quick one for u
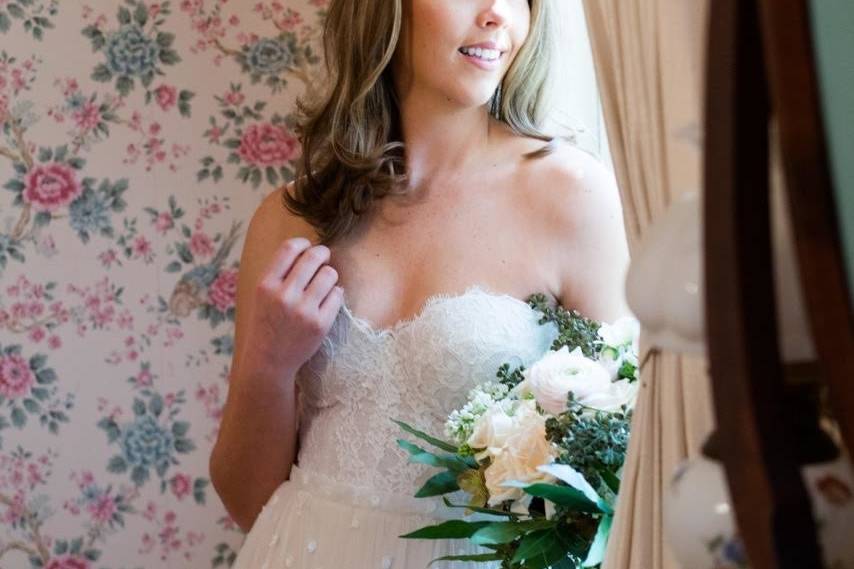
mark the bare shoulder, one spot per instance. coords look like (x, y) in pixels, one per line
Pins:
(577, 199)
(271, 218)
(571, 182)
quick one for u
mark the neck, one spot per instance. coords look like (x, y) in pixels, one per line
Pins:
(441, 139)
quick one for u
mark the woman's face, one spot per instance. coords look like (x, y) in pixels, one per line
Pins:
(460, 49)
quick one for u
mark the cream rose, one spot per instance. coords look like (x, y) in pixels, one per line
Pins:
(552, 378)
(513, 436)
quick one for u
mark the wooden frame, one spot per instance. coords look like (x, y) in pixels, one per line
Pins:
(759, 59)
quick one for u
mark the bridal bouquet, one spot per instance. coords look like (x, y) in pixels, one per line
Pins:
(540, 450)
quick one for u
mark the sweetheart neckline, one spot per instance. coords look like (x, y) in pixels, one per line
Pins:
(431, 301)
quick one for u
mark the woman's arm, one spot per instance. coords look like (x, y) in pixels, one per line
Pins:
(257, 440)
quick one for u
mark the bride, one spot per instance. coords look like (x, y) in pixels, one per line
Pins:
(390, 278)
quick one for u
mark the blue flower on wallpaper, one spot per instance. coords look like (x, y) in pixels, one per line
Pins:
(271, 60)
(90, 214)
(146, 444)
(151, 441)
(268, 56)
(130, 52)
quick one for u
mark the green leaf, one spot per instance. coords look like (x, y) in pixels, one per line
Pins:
(610, 480)
(15, 10)
(505, 532)
(419, 455)
(474, 558)
(169, 57)
(124, 15)
(442, 483)
(573, 499)
(596, 554)
(37, 361)
(19, 418)
(117, 465)
(452, 529)
(445, 446)
(184, 445)
(165, 39)
(139, 475)
(15, 185)
(541, 549)
(45, 376)
(140, 15)
(124, 85)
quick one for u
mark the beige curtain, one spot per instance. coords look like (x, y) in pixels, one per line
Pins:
(649, 57)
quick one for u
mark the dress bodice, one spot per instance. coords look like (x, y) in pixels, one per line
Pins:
(417, 371)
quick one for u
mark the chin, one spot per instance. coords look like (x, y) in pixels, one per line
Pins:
(473, 97)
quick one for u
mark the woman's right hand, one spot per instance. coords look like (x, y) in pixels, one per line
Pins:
(295, 304)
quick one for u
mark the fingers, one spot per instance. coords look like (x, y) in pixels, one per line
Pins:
(284, 259)
(306, 266)
(331, 305)
(321, 284)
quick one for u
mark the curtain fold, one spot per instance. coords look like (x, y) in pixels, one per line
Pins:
(649, 57)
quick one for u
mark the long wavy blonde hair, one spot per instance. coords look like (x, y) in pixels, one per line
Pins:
(352, 148)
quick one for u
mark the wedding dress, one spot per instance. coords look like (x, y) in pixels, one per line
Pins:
(350, 495)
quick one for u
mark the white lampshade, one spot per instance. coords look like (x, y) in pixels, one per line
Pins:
(665, 282)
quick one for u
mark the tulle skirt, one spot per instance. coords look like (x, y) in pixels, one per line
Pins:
(312, 522)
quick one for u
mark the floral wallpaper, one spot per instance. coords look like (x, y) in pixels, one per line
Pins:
(137, 138)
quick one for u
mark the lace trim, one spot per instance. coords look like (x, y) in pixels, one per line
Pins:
(429, 304)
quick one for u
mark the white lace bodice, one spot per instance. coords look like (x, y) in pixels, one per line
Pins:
(418, 371)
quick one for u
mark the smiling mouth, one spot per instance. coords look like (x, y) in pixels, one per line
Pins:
(482, 54)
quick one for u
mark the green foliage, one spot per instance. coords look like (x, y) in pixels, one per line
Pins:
(591, 442)
(575, 330)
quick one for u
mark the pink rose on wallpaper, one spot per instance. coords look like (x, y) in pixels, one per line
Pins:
(67, 562)
(201, 245)
(16, 377)
(164, 222)
(234, 98)
(223, 290)
(51, 186)
(102, 508)
(166, 96)
(181, 486)
(268, 145)
(37, 334)
(87, 116)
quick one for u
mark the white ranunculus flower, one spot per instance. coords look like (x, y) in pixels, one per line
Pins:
(623, 332)
(619, 393)
(620, 344)
(552, 378)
